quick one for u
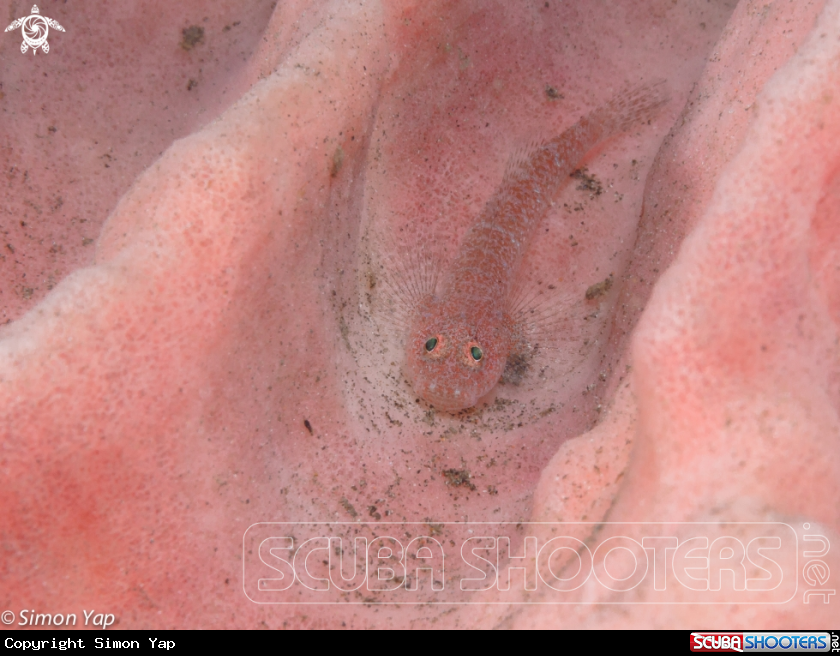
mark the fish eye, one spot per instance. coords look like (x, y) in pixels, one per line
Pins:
(434, 347)
(474, 354)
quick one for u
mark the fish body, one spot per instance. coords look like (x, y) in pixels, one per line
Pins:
(461, 334)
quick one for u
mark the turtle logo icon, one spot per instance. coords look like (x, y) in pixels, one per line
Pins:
(34, 29)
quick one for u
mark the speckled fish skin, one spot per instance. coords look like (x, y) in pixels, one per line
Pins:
(471, 306)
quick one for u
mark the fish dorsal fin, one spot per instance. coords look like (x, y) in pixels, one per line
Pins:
(519, 157)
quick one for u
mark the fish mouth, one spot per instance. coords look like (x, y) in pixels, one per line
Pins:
(446, 400)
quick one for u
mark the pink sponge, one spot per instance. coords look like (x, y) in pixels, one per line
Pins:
(230, 354)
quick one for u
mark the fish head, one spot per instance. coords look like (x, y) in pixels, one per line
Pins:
(456, 352)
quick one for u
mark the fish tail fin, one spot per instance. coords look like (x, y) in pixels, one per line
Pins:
(632, 107)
